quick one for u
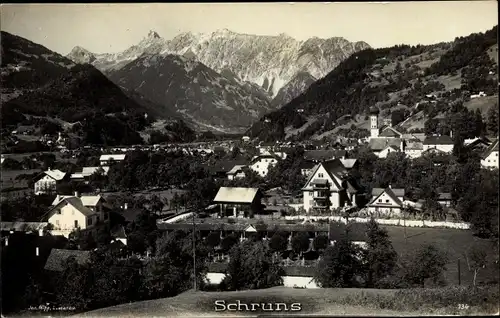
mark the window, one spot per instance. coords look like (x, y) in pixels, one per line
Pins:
(89, 221)
(57, 223)
(76, 223)
(386, 201)
(379, 200)
(97, 219)
(320, 175)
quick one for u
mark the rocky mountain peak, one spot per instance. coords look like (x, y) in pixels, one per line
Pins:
(153, 35)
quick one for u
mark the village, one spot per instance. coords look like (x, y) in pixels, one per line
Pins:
(330, 200)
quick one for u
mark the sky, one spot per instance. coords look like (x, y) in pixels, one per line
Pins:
(109, 28)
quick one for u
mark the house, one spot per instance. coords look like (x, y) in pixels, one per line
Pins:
(444, 199)
(442, 143)
(261, 164)
(7, 229)
(77, 212)
(237, 172)
(306, 167)
(58, 258)
(414, 148)
(48, 180)
(390, 132)
(243, 202)
(489, 159)
(106, 160)
(89, 171)
(324, 155)
(386, 202)
(381, 147)
(478, 143)
(329, 186)
(221, 168)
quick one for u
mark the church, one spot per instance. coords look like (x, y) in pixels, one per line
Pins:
(384, 139)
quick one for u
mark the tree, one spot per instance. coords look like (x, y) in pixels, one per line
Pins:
(278, 243)
(476, 260)
(492, 120)
(251, 267)
(75, 285)
(380, 256)
(228, 242)
(320, 242)
(213, 239)
(426, 263)
(300, 242)
(339, 266)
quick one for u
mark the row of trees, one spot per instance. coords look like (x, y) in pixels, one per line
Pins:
(474, 190)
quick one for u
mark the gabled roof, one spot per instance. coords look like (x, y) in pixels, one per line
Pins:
(88, 171)
(390, 132)
(265, 156)
(86, 200)
(237, 195)
(76, 203)
(54, 174)
(444, 196)
(58, 257)
(493, 147)
(236, 169)
(117, 157)
(379, 144)
(348, 163)
(324, 155)
(225, 165)
(395, 194)
(414, 145)
(334, 168)
(438, 140)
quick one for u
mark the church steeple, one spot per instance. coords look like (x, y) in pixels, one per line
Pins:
(374, 129)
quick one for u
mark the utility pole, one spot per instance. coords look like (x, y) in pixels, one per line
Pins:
(459, 276)
(194, 253)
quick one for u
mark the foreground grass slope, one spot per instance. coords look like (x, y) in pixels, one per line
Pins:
(327, 301)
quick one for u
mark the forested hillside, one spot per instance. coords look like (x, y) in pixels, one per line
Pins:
(390, 78)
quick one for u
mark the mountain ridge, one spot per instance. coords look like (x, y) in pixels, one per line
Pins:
(275, 59)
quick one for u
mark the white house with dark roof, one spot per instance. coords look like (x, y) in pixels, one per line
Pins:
(48, 180)
(489, 159)
(386, 202)
(239, 202)
(261, 164)
(381, 147)
(329, 186)
(414, 148)
(237, 172)
(442, 143)
(73, 212)
(106, 160)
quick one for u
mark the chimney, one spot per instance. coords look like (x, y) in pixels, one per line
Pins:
(76, 194)
(451, 134)
(390, 186)
(125, 206)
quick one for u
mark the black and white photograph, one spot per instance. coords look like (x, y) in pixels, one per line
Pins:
(249, 159)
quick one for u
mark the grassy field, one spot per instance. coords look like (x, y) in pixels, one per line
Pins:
(328, 301)
(454, 243)
(9, 178)
(482, 103)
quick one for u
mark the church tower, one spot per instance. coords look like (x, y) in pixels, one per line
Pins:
(374, 129)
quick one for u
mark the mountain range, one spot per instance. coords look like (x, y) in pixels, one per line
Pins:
(268, 61)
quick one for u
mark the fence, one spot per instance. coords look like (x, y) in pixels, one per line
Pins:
(395, 222)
